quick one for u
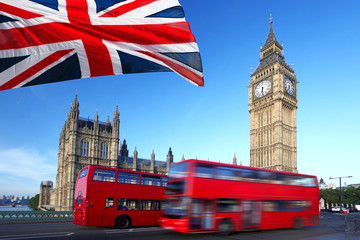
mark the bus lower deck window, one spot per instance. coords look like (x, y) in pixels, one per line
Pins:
(127, 204)
(153, 205)
(109, 202)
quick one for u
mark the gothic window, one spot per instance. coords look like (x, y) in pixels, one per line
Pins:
(104, 150)
(84, 148)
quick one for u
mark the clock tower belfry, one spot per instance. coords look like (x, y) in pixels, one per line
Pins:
(272, 107)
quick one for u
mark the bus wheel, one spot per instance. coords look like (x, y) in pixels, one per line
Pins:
(298, 224)
(122, 222)
(226, 227)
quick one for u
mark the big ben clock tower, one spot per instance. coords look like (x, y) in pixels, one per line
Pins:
(272, 107)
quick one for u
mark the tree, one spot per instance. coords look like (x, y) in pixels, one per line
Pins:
(34, 202)
(350, 195)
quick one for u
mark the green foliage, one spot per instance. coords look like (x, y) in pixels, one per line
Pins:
(350, 195)
(34, 202)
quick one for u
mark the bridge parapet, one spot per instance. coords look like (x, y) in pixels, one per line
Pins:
(7, 216)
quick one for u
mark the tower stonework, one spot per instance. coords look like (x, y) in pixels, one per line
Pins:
(272, 108)
(83, 142)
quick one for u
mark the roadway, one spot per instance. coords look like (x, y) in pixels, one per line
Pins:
(332, 227)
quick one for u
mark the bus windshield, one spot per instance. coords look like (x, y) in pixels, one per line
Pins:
(179, 170)
(83, 173)
(175, 188)
(175, 207)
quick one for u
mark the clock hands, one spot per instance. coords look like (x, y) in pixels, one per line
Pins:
(262, 88)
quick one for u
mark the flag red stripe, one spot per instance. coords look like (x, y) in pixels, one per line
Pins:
(171, 33)
(18, 11)
(183, 71)
(34, 69)
(77, 11)
(126, 8)
(98, 57)
(97, 53)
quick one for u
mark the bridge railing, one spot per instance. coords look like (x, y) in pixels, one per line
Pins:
(35, 215)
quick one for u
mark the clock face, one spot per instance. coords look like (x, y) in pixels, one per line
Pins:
(262, 88)
(289, 87)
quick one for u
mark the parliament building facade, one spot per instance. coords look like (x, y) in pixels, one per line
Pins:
(83, 142)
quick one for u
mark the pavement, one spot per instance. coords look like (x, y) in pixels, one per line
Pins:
(338, 236)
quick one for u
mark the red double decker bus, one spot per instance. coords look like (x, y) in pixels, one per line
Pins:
(204, 196)
(117, 198)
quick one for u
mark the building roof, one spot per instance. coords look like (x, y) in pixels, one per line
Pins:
(89, 123)
(147, 162)
(271, 60)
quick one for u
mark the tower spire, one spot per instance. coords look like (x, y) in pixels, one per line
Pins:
(75, 103)
(235, 159)
(96, 117)
(271, 38)
(74, 110)
(116, 113)
(271, 52)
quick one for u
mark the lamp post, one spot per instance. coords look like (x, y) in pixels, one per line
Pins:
(340, 188)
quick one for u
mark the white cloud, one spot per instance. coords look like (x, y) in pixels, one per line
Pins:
(27, 164)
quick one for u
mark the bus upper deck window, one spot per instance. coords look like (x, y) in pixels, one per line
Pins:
(204, 171)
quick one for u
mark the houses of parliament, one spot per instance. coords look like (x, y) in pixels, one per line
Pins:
(272, 106)
(85, 141)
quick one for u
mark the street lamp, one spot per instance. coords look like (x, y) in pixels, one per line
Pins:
(340, 188)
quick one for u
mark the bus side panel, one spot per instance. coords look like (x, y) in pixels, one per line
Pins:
(100, 215)
(141, 218)
(95, 206)
(205, 188)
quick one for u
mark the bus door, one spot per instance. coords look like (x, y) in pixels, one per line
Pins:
(251, 213)
(202, 214)
(108, 213)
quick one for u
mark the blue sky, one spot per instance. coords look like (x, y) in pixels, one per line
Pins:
(162, 110)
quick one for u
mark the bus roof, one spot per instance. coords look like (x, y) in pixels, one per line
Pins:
(122, 170)
(240, 166)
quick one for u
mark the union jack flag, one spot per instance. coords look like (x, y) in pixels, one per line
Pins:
(43, 41)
